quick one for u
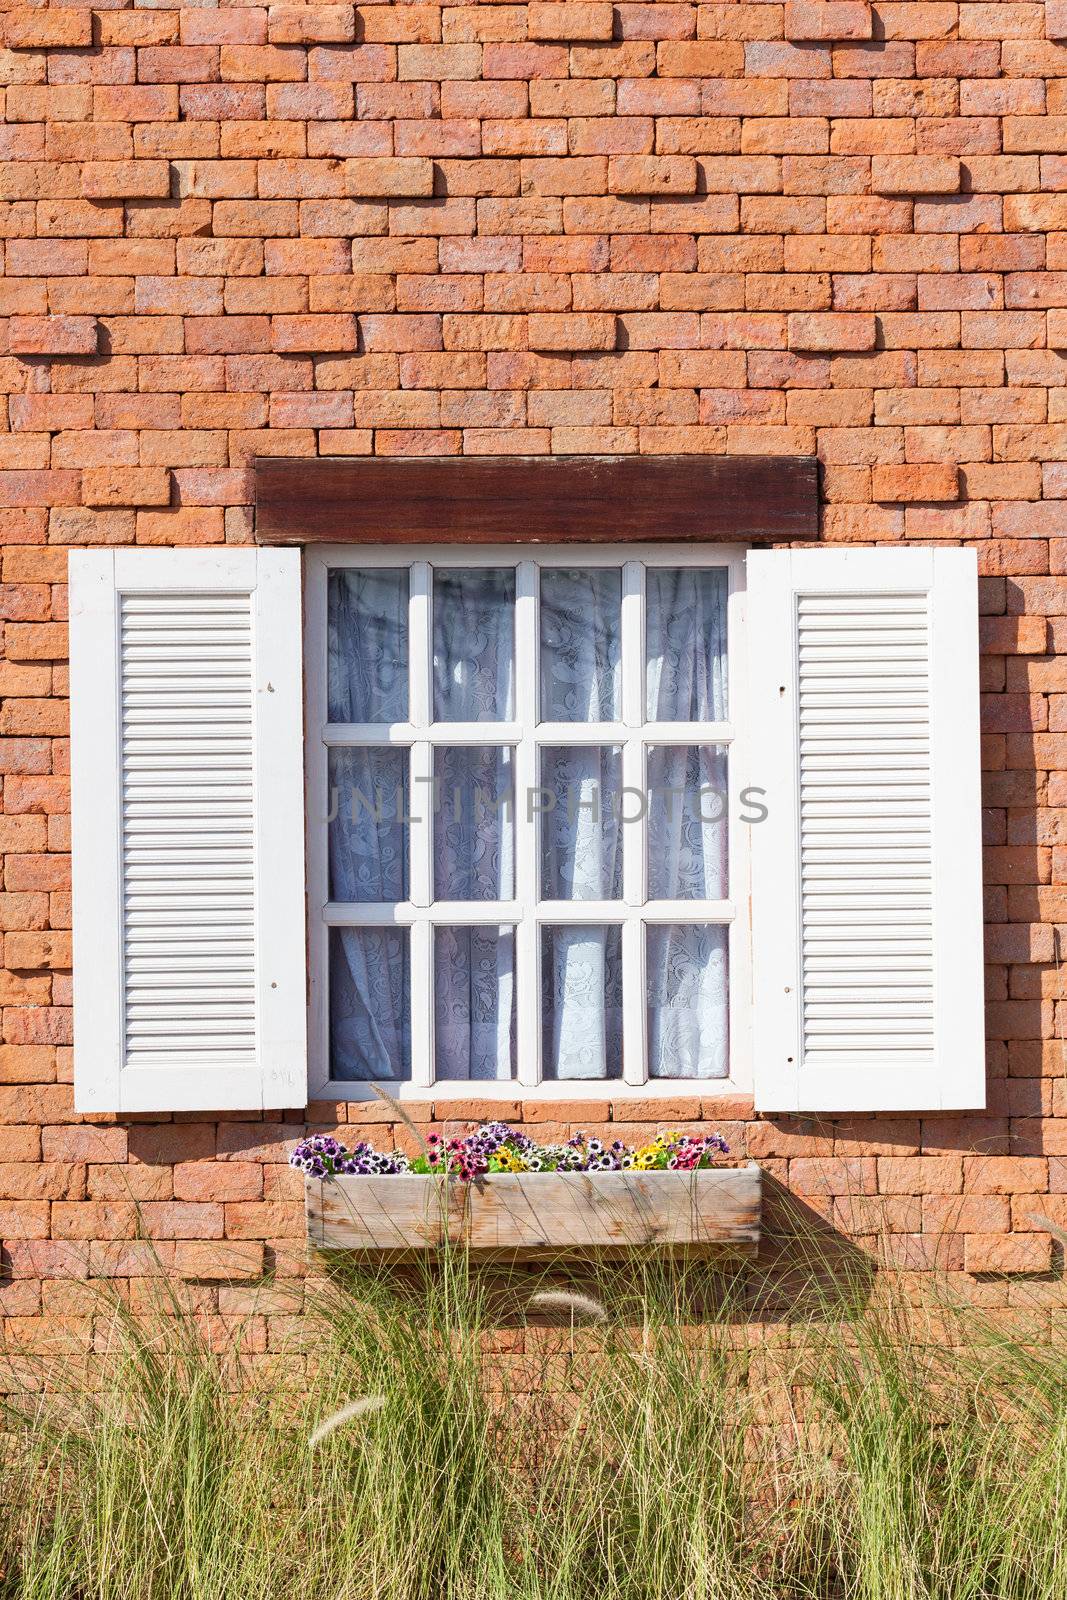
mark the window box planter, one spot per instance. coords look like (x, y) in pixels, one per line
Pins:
(538, 1214)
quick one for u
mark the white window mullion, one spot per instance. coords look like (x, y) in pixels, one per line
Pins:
(420, 826)
(633, 807)
(468, 733)
(527, 777)
(634, 1038)
(633, 643)
(420, 644)
(634, 1048)
(420, 810)
(422, 1061)
(368, 733)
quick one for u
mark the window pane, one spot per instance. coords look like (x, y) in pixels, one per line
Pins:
(370, 1004)
(581, 822)
(687, 822)
(473, 644)
(474, 1002)
(368, 824)
(581, 1002)
(685, 628)
(474, 823)
(367, 645)
(686, 972)
(581, 677)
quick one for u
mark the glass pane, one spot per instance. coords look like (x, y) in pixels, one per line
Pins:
(367, 645)
(370, 1004)
(687, 822)
(581, 1002)
(473, 644)
(686, 971)
(368, 829)
(685, 628)
(474, 1002)
(581, 620)
(474, 823)
(581, 822)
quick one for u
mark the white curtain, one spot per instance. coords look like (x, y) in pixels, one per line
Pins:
(581, 839)
(367, 681)
(474, 859)
(686, 963)
(581, 965)
(474, 828)
(581, 859)
(474, 644)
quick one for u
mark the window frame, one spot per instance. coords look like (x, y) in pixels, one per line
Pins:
(527, 912)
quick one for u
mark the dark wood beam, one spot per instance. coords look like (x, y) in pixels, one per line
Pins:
(535, 499)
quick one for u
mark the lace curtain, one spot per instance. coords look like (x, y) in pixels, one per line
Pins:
(686, 963)
(367, 681)
(581, 831)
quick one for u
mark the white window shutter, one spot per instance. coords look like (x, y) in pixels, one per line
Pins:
(867, 890)
(188, 830)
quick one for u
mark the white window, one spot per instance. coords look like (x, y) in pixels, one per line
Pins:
(702, 818)
(526, 856)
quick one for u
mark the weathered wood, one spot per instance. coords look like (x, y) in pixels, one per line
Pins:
(535, 499)
(538, 1214)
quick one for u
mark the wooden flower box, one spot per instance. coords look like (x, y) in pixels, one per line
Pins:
(538, 1214)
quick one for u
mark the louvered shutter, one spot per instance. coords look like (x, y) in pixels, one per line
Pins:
(188, 830)
(866, 873)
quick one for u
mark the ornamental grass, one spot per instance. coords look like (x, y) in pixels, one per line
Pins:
(454, 1433)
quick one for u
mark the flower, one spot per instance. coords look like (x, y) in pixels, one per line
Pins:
(498, 1147)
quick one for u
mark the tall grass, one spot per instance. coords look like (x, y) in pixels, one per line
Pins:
(659, 1452)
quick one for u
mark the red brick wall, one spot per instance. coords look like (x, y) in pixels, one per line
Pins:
(505, 227)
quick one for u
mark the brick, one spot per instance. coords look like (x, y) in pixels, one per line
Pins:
(907, 483)
(84, 1143)
(923, 1175)
(53, 336)
(569, 21)
(653, 175)
(1011, 1252)
(831, 331)
(314, 333)
(833, 1175)
(1035, 133)
(218, 1181)
(926, 174)
(827, 20)
(389, 175)
(1005, 1174)
(126, 486)
(48, 28)
(125, 180)
(574, 331)
(264, 1220)
(218, 1260)
(311, 24)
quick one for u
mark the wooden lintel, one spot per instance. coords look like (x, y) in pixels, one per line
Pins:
(535, 499)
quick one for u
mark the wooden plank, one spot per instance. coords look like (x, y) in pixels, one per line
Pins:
(535, 499)
(537, 1214)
